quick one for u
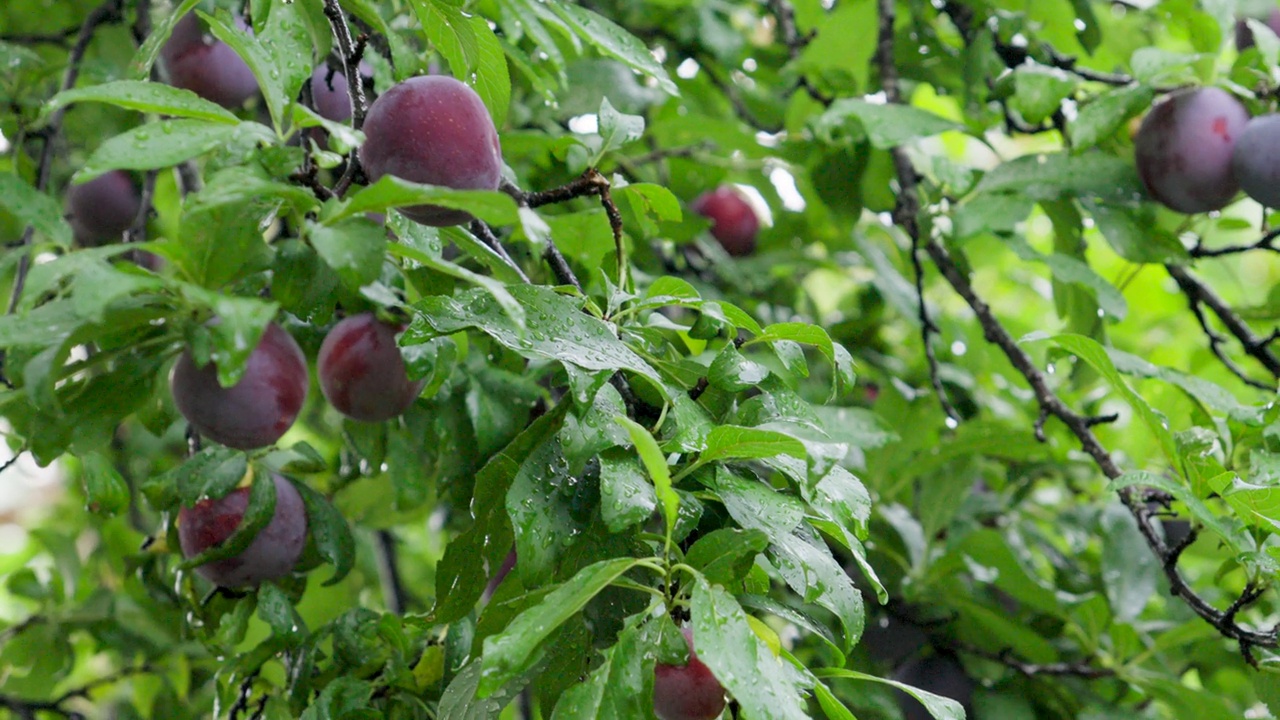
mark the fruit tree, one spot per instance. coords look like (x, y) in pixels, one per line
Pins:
(652, 359)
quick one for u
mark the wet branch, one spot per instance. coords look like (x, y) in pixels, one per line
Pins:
(1259, 348)
(350, 51)
(393, 592)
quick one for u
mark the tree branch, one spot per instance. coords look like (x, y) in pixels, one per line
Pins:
(1257, 347)
(393, 592)
(1050, 404)
(350, 53)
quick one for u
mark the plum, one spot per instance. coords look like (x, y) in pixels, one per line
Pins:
(206, 67)
(938, 674)
(103, 208)
(733, 221)
(1255, 161)
(254, 412)
(331, 98)
(1183, 149)
(687, 692)
(270, 556)
(435, 130)
(362, 372)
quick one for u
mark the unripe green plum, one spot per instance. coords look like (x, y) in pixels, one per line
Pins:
(254, 412)
(1256, 160)
(687, 692)
(434, 130)
(733, 221)
(273, 552)
(362, 372)
(205, 66)
(1183, 149)
(103, 208)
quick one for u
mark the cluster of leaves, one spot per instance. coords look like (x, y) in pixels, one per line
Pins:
(663, 434)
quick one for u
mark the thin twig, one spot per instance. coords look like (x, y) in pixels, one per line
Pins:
(393, 592)
(1266, 242)
(1007, 658)
(486, 235)
(347, 49)
(906, 214)
(1259, 348)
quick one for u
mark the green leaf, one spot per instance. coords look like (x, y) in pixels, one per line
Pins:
(540, 504)
(34, 208)
(517, 648)
(259, 59)
(556, 329)
(343, 695)
(803, 560)
(1049, 176)
(626, 496)
(1091, 352)
(1201, 512)
(388, 192)
(461, 701)
(1129, 585)
(105, 490)
(656, 463)
(145, 97)
(617, 688)
(1105, 114)
(288, 42)
(939, 707)
(887, 125)
(210, 473)
(275, 609)
(764, 685)
(460, 578)
(1067, 269)
(1134, 237)
(617, 129)
(732, 372)
(724, 556)
(615, 42)
(167, 143)
(237, 331)
(140, 67)
(354, 249)
(1039, 91)
(729, 442)
(257, 514)
(330, 533)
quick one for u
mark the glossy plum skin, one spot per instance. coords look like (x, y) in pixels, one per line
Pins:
(435, 130)
(1183, 149)
(1256, 160)
(205, 66)
(733, 220)
(687, 692)
(272, 554)
(103, 208)
(938, 674)
(361, 371)
(254, 412)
